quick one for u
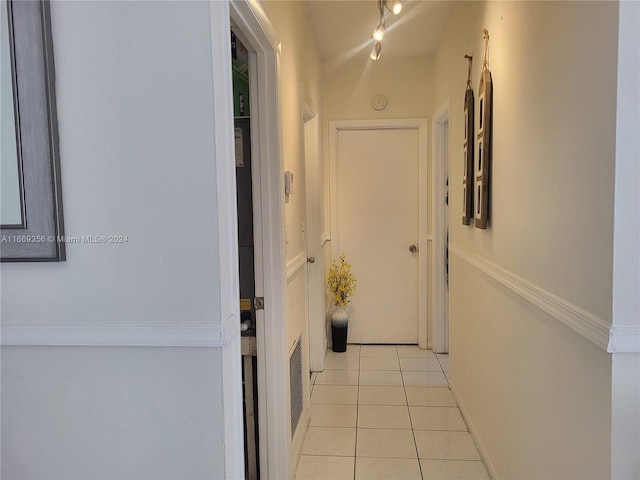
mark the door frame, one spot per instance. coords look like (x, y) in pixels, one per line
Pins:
(316, 329)
(253, 27)
(420, 124)
(229, 314)
(440, 172)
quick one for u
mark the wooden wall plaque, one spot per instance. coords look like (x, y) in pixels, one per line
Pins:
(468, 147)
(483, 161)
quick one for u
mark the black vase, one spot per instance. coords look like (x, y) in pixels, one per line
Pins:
(339, 337)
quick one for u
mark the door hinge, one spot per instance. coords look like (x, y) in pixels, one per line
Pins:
(258, 303)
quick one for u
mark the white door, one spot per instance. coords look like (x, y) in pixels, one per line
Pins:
(376, 221)
(316, 315)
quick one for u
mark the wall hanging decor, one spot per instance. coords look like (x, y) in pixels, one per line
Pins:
(483, 164)
(467, 176)
(31, 220)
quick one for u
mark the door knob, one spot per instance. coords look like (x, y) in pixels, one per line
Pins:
(311, 259)
(413, 248)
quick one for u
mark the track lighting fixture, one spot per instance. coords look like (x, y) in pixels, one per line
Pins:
(375, 53)
(394, 6)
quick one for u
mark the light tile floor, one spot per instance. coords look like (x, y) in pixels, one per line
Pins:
(386, 412)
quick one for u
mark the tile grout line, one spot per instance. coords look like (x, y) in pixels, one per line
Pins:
(445, 373)
(413, 432)
(355, 451)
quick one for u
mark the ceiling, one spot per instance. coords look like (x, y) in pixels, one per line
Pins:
(343, 28)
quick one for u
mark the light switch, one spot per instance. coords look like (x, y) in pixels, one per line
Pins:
(288, 182)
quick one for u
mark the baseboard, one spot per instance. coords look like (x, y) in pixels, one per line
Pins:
(474, 434)
(298, 441)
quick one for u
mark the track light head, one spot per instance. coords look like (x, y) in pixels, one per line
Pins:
(378, 33)
(375, 53)
(394, 6)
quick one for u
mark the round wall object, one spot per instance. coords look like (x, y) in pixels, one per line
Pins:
(379, 102)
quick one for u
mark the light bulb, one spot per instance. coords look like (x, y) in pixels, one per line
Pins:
(396, 7)
(375, 53)
(378, 34)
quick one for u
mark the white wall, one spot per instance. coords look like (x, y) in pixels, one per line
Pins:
(557, 224)
(123, 412)
(536, 393)
(299, 70)
(136, 123)
(348, 87)
(299, 81)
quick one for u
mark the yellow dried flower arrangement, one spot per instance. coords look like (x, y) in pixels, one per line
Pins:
(341, 282)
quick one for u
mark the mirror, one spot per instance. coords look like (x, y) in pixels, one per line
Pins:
(31, 201)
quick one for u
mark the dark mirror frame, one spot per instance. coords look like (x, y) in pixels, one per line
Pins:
(41, 237)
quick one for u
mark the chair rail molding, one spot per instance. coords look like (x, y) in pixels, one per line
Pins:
(590, 326)
(151, 335)
(295, 264)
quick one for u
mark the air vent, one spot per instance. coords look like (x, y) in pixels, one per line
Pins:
(295, 387)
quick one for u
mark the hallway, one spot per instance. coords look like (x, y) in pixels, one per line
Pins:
(386, 412)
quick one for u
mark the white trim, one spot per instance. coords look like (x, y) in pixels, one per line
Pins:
(624, 339)
(227, 217)
(296, 264)
(315, 308)
(122, 335)
(298, 440)
(423, 230)
(430, 338)
(580, 321)
(232, 401)
(326, 237)
(440, 341)
(308, 107)
(226, 210)
(474, 434)
(625, 334)
(256, 30)
(259, 36)
(297, 437)
(229, 331)
(421, 124)
(334, 201)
